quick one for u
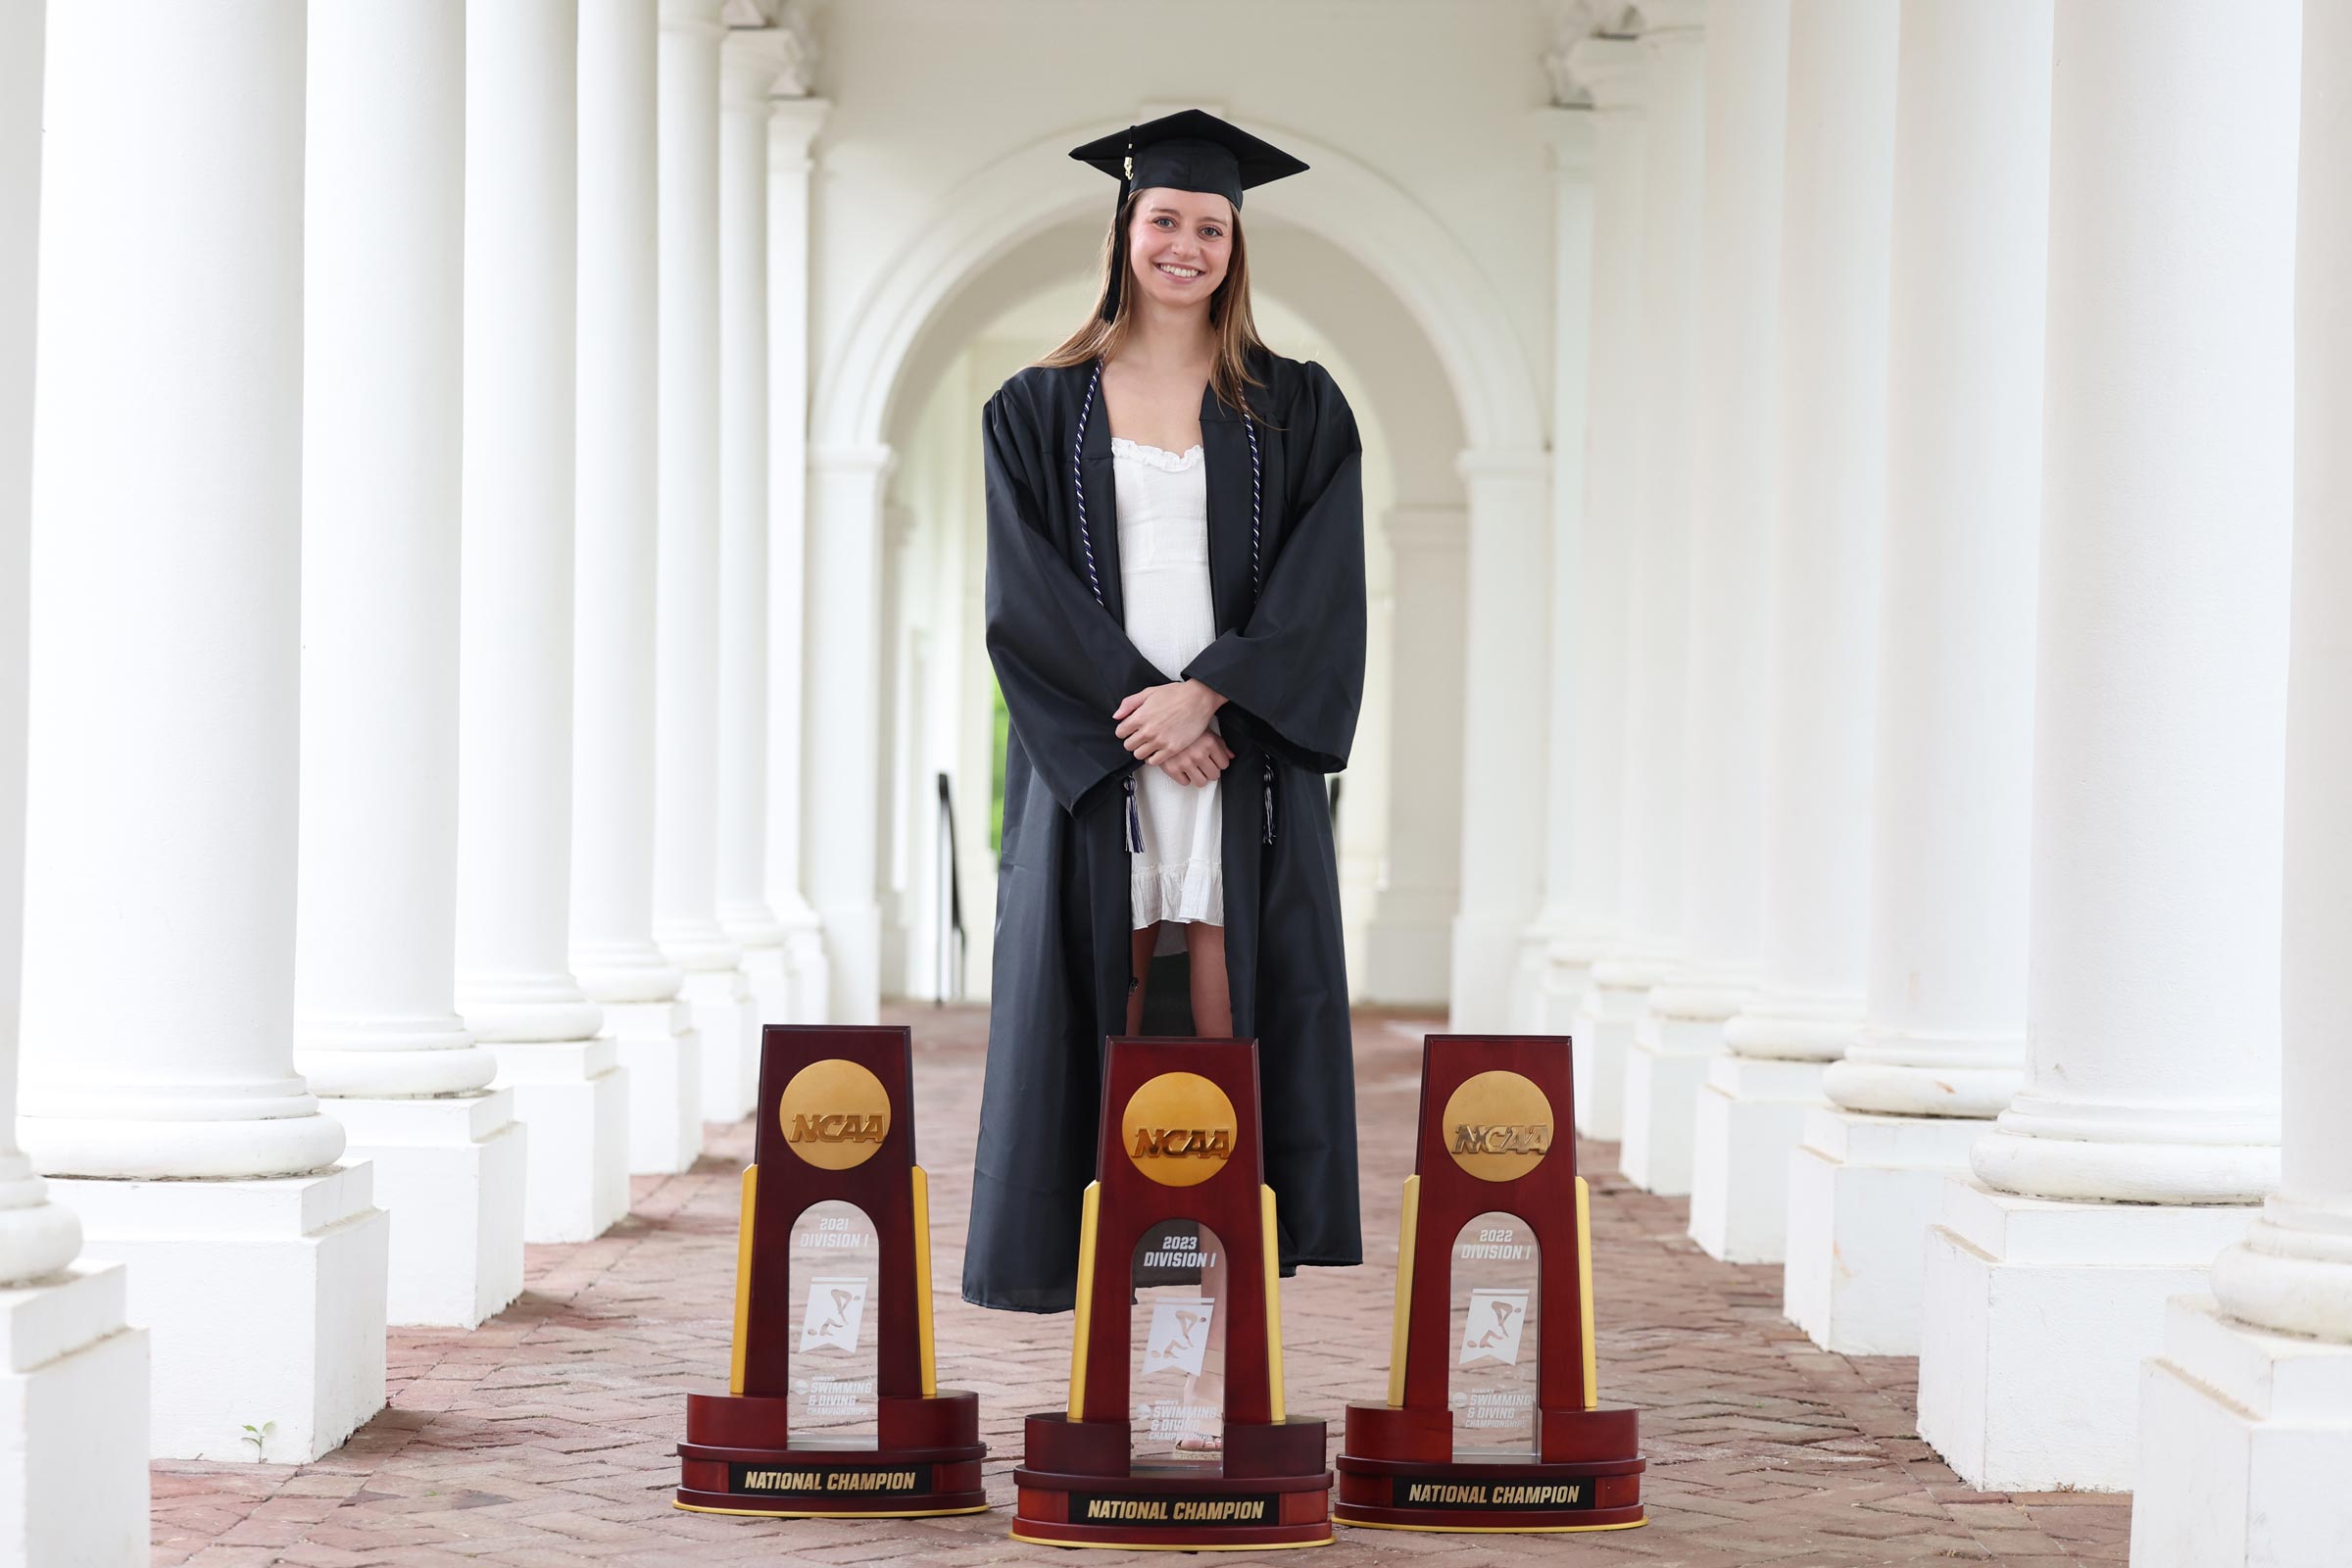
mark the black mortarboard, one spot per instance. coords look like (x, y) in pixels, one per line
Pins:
(1189, 150)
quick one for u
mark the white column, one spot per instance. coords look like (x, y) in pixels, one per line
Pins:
(1610, 70)
(686, 600)
(792, 127)
(2152, 1001)
(748, 65)
(1732, 458)
(1942, 1041)
(73, 1378)
(1614, 1011)
(515, 676)
(841, 727)
(2245, 1427)
(1556, 951)
(1413, 912)
(1837, 228)
(1502, 701)
(612, 940)
(899, 797)
(376, 1022)
(158, 1010)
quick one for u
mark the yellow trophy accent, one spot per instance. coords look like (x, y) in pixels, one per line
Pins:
(1273, 1252)
(1404, 1291)
(1584, 1290)
(1089, 1211)
(743, 1279)
(922, 1281)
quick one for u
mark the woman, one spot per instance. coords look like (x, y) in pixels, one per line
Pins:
(1176, 616)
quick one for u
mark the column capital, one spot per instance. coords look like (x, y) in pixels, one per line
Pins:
(692, 15)
(1507, 464)
(1573, 22)
(855, 461)
(1426, 527)
(1567, 129)
(757, 63)
(792, 128)
(1608, 69)
(1672, 21)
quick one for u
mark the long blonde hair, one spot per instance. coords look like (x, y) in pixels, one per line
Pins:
(1229, 318)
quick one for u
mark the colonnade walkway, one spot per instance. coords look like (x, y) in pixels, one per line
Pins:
(543, 1438)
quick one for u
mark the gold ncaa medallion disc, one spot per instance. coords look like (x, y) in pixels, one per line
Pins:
(1497, 1126)
(1179, 1129)
(835, 1113)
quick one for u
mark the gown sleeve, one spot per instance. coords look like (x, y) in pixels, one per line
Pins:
(1296, 665)
(1062, 662)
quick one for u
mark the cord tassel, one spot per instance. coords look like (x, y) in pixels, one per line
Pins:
(1268, 836)
(1135, 821)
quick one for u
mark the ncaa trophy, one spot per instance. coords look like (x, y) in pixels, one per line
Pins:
(1493, 1421)
(832, 1408)
(1175, 1436)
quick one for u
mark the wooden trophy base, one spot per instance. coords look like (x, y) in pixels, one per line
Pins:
(738, 1457)
(1398, 1472)
(1078, 1489)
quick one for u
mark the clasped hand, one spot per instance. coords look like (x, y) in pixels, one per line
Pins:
(1167, 727)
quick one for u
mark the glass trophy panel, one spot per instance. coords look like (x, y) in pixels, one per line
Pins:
(1493, 1388)
(836, 1267)
(1176, 1333)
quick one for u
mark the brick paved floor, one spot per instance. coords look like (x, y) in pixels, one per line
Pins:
(543, 1440)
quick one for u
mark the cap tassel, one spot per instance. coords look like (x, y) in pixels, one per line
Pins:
(1135, 821)
(1268, 836)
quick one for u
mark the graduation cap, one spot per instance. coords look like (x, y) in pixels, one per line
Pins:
(1189, 150)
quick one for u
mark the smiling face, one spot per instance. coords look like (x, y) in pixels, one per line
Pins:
(1179, 244)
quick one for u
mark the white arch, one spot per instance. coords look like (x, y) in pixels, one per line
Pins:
(1436, 279)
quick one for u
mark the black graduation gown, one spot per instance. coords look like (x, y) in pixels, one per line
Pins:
(1290, 659)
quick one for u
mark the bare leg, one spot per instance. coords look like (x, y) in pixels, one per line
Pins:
(1139, 954)
(1208, 1387)
(1212, 1003)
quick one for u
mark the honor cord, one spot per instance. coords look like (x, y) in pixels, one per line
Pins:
(1093, 580)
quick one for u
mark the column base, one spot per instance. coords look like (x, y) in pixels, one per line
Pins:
(1567, 977)
(1862, 1192)
(72, 1422)
(852, 935)
(1600, 1041)
(1749, 1118)
(2244, 1446)
(264, 1300)
(811, 974)
(2037, 1314)
(573, 1096)
(727, 1021)
(769, 972)
(1663, 1069)
(661, 1053)
(1486, 955)
(1409, 946)
(1405, 960)
(1528, 968)
(450, 1172)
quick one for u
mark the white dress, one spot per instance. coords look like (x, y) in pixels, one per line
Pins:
(1178, 874)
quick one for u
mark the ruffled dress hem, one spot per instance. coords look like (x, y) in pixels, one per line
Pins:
(1185, 891)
